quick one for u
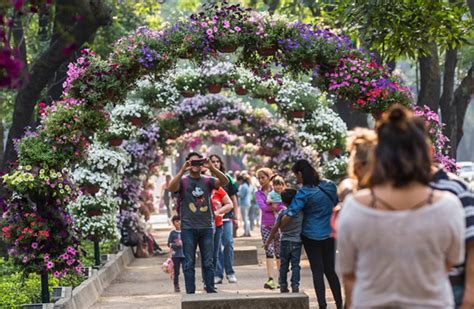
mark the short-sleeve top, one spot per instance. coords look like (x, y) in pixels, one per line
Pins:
(398, 257)
(196, 207)
(217, 196)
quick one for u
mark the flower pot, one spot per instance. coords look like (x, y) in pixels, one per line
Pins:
(136, 121)
(91, 189)
(214, 88)
(227, 49)
(187, 94)
(115, 142)
(267, 51)
(240, 91)
(270, 100)
(335, 151)
(308, 64)
(94, 212)
(297, 114)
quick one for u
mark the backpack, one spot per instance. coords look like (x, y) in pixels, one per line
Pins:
(184, 188)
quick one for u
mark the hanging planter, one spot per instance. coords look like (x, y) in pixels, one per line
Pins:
(136, 121)
(227, 49)
(214, 88)
(271, 100)
(335, 151)
(241, 91)
(94, 212)
(297, 114)
(91, 189)
(187, 94)
(115, 142)
(267, 51)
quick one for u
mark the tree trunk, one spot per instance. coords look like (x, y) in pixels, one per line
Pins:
(78, 21)
(462, 97)
(430, 79)
(351, 117)
(448, 110)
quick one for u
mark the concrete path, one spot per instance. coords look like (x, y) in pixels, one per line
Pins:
(145, 285)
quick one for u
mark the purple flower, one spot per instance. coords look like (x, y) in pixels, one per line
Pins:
(34, 245)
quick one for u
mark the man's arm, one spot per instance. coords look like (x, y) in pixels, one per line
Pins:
(174, 184)
(468, 300)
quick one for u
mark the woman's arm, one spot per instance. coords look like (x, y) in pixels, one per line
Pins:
(227, 206)
(348, 281)
(262, 202)
(274, 230)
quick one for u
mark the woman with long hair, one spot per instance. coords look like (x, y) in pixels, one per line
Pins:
(316, 199)
(398, 238)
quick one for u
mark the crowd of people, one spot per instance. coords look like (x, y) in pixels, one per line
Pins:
(398, 232)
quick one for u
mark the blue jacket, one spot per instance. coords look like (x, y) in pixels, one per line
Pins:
(317, 204)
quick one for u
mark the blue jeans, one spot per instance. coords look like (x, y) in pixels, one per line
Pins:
(191, 238)
(226, 252)
(244, 210)
(254, 215)
(217, 247)
(458, 291)
(290, 252)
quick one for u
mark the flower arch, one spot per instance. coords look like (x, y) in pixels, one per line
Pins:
(269, 46)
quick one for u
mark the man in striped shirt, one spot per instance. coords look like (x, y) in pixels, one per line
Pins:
(461, 276)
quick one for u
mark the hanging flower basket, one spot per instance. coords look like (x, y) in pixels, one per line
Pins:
(227, 49)
(91, 189)
(335, 151)
(241, 91)
(271, 100)
(115, 142)
(188, 94)
(297, 114)
(214, 88)
(136, 121)
(94, 212)
(267, 51)
(308, 64)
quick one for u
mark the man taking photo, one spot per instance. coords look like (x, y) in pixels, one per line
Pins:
(197, 221)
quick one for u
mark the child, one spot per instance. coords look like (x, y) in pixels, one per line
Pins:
(175, 243)
(290, 244)
(278, 184)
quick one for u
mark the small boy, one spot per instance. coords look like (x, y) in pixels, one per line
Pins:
(175, 243)
(290, 244)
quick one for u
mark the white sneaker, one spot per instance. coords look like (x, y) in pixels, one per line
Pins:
(217, 280)
(232, 278)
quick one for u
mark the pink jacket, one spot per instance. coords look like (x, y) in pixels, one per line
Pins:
(268, 215)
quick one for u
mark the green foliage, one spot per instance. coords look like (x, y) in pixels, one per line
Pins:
(405, 28)
(16, 290)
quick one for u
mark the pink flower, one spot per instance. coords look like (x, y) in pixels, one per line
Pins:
(34, 245)
(237, 28)
(25, 259)
(209, 32)
(204, 25)
(215, 29)
(49, 265)
(226, 24)
(57, 274)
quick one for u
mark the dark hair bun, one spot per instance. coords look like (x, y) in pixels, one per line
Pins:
(398, 118)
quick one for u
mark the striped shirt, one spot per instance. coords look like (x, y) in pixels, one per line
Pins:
(450, 182)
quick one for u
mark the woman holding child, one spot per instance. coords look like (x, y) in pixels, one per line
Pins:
(270, 209)
(316, 199)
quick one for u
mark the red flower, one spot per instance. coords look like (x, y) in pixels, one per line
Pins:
(361, 102)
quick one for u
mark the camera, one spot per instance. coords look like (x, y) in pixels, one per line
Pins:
(198, 162)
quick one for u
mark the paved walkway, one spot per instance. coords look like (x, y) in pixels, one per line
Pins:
(144, 285)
